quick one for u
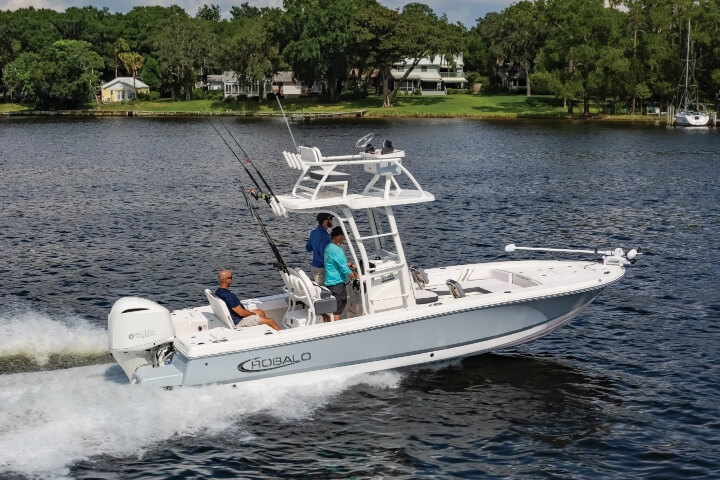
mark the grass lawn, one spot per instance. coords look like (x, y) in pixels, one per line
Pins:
(456, 105)
(11, 107)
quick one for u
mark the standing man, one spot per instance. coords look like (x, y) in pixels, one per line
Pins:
(241, 316)
(337, 269)
(319, 239)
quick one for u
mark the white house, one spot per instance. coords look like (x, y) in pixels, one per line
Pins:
(432, 76)
(121, 89)
(233, 88)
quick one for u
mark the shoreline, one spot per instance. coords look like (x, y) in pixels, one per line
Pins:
(335, 115)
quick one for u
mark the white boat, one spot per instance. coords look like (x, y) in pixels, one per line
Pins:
(690, 113)
(396, 316)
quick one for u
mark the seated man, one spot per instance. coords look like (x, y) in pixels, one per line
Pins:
(240, 315)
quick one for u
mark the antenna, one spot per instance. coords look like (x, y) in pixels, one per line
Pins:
(277, 96)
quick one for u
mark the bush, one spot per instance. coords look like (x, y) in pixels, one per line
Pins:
(198, 94)
(152, 96)
(455, 91)
(354, 94)
(214, 95)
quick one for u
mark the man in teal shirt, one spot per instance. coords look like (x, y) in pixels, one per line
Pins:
(337, 269)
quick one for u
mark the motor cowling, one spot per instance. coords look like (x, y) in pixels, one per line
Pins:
(137, 324)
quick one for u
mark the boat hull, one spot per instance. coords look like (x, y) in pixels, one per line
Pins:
(692, 119)
(425, 338)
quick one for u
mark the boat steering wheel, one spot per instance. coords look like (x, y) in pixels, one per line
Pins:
(364, 141)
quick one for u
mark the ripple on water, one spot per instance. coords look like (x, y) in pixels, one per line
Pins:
(626, 390)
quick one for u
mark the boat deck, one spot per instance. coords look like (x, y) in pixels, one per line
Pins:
(200, 333)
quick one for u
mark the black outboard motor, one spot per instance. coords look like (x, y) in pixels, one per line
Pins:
(387, 147)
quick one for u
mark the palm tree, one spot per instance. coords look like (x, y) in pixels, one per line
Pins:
(133, 62)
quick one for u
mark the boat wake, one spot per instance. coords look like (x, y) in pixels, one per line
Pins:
(76, 414)
(33, 341)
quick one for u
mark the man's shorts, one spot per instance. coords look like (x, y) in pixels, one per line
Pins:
(340, 293)
(249, 321)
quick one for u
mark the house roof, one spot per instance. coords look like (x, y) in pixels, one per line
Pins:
(284, 76)
(430, 76)
(125, 81)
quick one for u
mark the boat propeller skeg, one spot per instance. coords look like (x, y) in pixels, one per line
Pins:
(617, 256)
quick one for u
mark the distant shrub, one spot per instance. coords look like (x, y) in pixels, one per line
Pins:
(198, 94)
(354, 94)
(152, 96)
(214, 95)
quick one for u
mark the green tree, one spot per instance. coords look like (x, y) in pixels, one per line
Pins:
(244, 11)
(318, 39)
(520, 36)
(132, 62)
(18, 76)
(152, 74)
(252, 54)
(210, 12)
(425, 35)
(377, 36)
(119, 48)
(584, 50)
(184, 47)
(66, 74)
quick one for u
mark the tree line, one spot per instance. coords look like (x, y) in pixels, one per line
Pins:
(579, 50)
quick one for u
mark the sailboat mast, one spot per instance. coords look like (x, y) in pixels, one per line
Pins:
(687, 57)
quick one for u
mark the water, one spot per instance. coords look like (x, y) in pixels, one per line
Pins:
(96, 209)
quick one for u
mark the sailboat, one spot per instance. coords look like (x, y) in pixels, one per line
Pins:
(690, 112)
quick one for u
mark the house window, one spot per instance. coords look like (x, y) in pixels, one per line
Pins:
(423, 69)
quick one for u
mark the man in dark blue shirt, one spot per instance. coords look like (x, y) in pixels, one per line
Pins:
(241, 316)
(319, 239)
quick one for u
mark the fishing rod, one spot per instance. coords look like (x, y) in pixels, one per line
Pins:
(279, 262)
(272, 200)
(277, 97)
(261, 195)
(248, 160)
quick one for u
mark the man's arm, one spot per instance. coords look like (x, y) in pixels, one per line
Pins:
(242, 311)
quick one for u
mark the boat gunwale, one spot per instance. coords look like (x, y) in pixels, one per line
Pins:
(412, 319)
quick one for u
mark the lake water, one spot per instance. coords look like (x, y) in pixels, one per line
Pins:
(95, 209)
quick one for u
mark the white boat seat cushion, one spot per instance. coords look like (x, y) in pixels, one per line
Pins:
(425, 296)
(310, 154)
(319, 173)
(220, 309)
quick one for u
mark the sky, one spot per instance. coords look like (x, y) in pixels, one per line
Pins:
(465, 11)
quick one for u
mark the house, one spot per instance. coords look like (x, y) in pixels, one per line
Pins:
(121, 89)
(233, 88)
(511, 79)
(214, 82)
(285, 84)
(431, 76)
